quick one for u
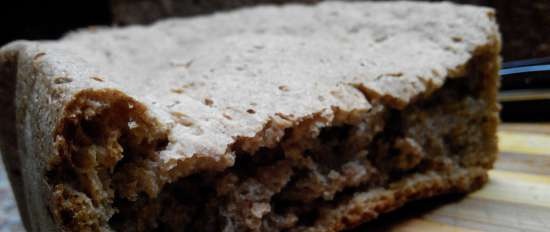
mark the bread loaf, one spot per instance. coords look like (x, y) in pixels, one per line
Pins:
(294, 118)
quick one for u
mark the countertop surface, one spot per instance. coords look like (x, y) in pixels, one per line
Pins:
(517, 197)
(9, 216)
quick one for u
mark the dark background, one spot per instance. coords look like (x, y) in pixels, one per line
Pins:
(50, 19)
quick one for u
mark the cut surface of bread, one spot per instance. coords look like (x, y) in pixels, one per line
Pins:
(293, 118)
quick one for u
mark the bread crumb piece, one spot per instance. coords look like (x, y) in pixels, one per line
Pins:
(182, 119)
(283, 88)
(457, 39)
(208, 101)
(396, 74)
(177, 90)
(97, 79)
(62, 80)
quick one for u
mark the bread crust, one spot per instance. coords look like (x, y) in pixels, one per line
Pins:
(212, 85)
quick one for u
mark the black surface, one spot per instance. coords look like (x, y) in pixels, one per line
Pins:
(49, 19)
(526, 74)
(527, 111)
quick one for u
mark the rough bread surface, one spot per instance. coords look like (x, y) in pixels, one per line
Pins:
(191, 94)
(524, 24)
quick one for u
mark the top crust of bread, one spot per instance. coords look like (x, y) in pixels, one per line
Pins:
(230, 73)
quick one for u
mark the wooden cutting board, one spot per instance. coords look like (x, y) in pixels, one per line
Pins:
(517, 197)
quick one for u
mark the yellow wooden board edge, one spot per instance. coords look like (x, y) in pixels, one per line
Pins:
(527, 143)
(414, 225)
(516, 187)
